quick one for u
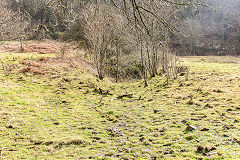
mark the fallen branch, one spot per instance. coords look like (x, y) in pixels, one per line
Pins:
(125, 95)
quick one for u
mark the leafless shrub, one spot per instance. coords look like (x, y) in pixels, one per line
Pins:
(152, 22)
(102, 28)
(169, 63)
(114, 34)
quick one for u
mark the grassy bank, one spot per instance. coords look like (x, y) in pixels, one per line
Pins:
(67, 113)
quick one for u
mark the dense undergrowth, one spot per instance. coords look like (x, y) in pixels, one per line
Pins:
(67, 113)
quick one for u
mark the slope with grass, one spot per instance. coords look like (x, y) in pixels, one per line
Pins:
(63, 112)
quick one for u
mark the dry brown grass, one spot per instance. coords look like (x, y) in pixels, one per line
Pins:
(65, 56)
(31, 69)
(42, 65)
(40, 47)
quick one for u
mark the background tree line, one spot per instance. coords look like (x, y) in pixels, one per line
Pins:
(213, 30)
(128, 38)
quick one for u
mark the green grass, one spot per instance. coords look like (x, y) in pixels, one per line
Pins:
(60, 115)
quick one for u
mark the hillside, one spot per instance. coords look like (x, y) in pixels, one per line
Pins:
(65, 112)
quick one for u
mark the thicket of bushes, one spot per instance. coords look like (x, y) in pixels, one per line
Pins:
(126, 38)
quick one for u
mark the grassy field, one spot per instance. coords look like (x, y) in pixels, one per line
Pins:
(67, 113)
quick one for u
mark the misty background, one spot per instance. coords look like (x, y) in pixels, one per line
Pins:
(212, 30)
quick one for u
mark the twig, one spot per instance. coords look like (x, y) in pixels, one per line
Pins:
(1, 153)
(3, 67)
